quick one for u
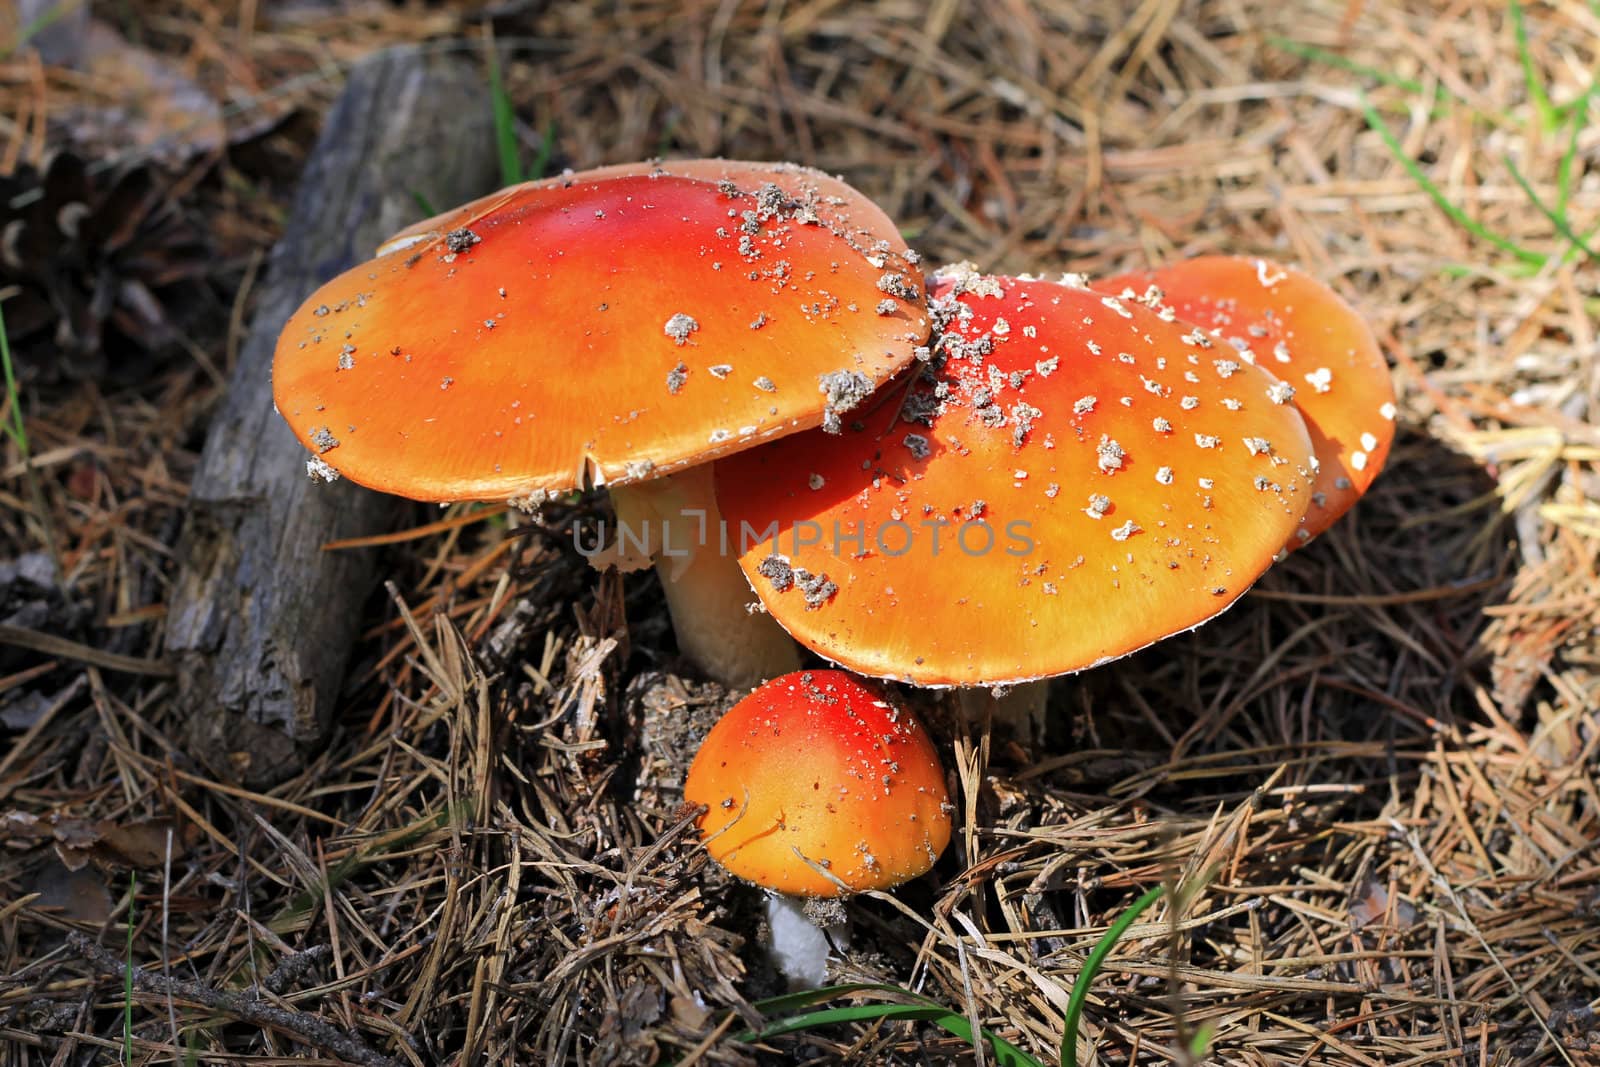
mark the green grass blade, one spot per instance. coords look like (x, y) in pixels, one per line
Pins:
(1200, 1043)
(505, 122)
(15, 429)
(1006, 1054)
(308, 900)
(1577, 119)
(1549, 117)
(1091, 966)
(547, 147)
(1334, 59)
(127, 977)
(18, 432)
(423, 204)
(41, 22)
(1555, 219)
(854, 1013)
(805, 998)
(1377, 125)
(669, 130)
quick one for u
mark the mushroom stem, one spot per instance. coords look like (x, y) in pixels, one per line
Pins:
(675, 519)
(1021, 709)
(802, 939)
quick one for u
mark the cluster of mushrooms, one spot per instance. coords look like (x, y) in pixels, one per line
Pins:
(946, 480)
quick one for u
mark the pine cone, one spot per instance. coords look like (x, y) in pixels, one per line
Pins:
(98, 272)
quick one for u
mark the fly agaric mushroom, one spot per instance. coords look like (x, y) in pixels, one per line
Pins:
(835, 202)
(1073, 477)
(618, 328)
(817, 786)
(1304, 333)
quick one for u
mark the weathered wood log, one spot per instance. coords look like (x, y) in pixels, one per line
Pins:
(261, 620)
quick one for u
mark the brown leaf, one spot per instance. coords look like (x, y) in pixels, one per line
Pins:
(76, 894)
(138, 844)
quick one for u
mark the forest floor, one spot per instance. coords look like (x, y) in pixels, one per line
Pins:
(1379, 773)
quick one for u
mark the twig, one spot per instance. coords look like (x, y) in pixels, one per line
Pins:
(248, 1008)
(295, 967)
(51, 645)
(166, 915)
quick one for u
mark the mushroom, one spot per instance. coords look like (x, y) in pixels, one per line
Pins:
(619, 328)
(817, 786)
(1300, 330)
(1072, 478)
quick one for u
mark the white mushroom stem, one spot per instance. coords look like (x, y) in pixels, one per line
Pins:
(800, 947)
(1021, 709)
(675, 520)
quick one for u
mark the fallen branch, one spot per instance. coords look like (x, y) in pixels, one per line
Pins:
(246, 1007)
(261, 620)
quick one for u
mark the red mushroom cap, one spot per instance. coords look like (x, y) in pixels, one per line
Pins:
(1081, 477)
(603, 328)
(1304, 333)
(823, 767)
(836, 204)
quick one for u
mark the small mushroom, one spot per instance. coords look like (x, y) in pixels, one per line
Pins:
(595, 330)
(817, 785)
(1326, 357)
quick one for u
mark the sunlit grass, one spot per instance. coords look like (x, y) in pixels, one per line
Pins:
(1549, 116)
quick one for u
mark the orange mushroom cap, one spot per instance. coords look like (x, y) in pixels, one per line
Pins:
(602, 328)
(1081, 477)
(1303, 332)
(820, 766)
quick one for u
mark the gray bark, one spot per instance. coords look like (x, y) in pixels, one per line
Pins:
(262, 621)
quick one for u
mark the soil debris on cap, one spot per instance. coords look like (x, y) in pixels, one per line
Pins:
(817, 588)
(896, 284)
(844, 390)
(776, 569)
(459, 240)
(676, 377)
(679, 327)
(318, 470)
(1109, 455)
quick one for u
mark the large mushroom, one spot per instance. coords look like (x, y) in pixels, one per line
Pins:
(1306, 335)
(1075, 476)
(817, 786)
(617, 328)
